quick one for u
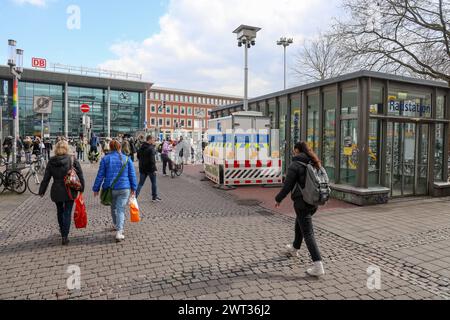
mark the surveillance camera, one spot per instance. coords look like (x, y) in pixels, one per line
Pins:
(239, 44)
(244, 40)
(253, 42)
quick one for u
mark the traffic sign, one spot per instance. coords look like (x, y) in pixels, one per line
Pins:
(85, 108)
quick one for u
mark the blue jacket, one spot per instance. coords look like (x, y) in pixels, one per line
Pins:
(109, 169)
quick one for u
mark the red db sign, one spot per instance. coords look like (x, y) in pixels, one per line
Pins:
(38, 63)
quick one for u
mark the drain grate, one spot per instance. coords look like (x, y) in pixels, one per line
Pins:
(264, 213)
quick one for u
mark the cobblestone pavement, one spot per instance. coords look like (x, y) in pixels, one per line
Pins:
(203, 243)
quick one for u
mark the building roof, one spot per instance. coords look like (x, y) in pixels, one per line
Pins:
(200, 93)
(51, 77)
(345, 77)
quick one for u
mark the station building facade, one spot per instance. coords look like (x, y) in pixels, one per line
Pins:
(379, 136)
(116, 106)
(171, 110)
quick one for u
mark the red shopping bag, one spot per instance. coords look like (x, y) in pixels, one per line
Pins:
(80, 215)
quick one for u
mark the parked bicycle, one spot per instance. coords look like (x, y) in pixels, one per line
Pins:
(34, 178)
(12, 180)
(177, 167)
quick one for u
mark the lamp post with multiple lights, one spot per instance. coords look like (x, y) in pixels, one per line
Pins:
(246, 36)
(285, 43)
(15, 62)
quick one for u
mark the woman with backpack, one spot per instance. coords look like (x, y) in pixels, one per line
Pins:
(303, 155)
(117, 172)
(58, 168)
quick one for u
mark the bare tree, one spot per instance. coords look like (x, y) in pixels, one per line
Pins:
(400, 36)
(322, 58)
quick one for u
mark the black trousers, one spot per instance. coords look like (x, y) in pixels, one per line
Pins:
(304, 230)
(166, 160)
(64, 216)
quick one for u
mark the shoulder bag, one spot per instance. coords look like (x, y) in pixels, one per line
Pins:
(106, 194)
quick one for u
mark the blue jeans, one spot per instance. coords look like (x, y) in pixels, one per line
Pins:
(142, 179)
(119, 201)
(64, 217)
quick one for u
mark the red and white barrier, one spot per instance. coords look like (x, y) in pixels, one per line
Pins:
(253, 172)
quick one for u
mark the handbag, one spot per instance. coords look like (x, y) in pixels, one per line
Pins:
(134, 210)
(80, 215)
(72, 181)
(106, 194)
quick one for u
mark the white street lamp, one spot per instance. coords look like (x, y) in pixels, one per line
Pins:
(285, 43)
(246, 36)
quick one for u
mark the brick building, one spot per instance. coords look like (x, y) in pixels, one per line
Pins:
(172, 109)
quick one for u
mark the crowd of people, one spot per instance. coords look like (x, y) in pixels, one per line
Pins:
(27, 147)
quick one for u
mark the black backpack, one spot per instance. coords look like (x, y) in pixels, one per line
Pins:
(160, 147)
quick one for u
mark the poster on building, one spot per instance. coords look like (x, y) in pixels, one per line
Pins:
(42, 105)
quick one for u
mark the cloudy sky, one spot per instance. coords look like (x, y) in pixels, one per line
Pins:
(185, 44)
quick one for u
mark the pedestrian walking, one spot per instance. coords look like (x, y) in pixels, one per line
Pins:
(48, 148)
(57, 168)
(80, 150)
(166, 149)
(94, 143)
(7, 147)
(303, 225)
(147, 167)
(37, 147)
(27, 148)
(117, 172)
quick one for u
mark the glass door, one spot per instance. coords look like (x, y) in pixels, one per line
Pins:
(407, 159)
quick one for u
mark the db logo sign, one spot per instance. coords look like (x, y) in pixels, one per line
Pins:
(39, 63)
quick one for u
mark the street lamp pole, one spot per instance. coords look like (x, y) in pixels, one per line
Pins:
(285, 43)
(15, 62)
(246, 36)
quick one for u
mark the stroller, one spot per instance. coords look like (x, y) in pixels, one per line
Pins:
(94, 157)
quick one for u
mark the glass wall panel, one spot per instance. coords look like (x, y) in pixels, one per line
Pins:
(409, 103)
(374, 152)
(295, 119)
(376, 99)
(439, 154)
(440, 107)
(349, 151)
(313, 122)
(329, 133)
(283, 110)
(273, 114)
(349, 101)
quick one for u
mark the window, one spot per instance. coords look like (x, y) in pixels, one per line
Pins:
(439, 154)
(168, 109)
(376, 96)
(189, 123)
(313, 123)
(195, 99)
(329, 132)
(156, 95)
(168, 122)
(160, 109)
(440, 107)
(409, 103)
(295, 119)
(171, 97)
(152, 122)
(153, 108)
(374, 152)
(209, 101)
(177, 98)
(152, 95)
(175, 109)
(349, 101)
(160, 122)
(349, 151)
(189, 111)
(183, 111)
(182, 122)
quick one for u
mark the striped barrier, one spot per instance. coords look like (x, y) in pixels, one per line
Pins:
(253, 172)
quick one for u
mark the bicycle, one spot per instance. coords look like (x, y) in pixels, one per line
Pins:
(12, 180)
(2, 161)
(34, 179)
(177, 168)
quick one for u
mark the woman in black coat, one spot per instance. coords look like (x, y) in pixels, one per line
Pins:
(57, 168)
(303, 155)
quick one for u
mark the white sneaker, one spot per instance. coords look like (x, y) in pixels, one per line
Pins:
(120, 236)
(317, 270)
(291, 250)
